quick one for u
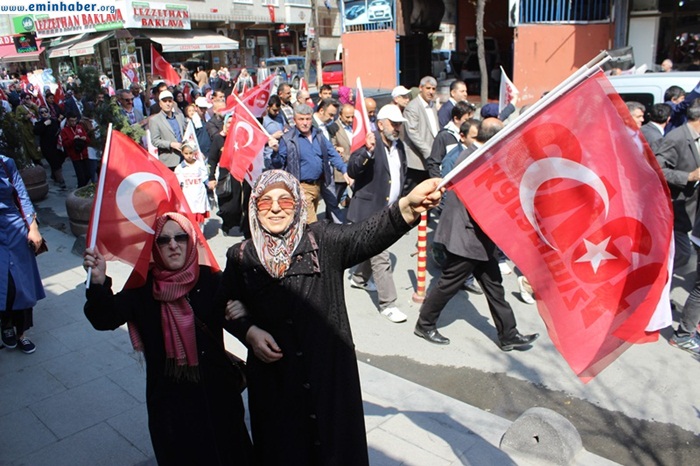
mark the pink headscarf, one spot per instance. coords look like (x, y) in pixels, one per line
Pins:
(345, 95)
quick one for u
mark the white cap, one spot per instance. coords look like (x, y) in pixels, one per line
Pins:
(391, 112)
(202, 102)
(399, 90)
(165, 95)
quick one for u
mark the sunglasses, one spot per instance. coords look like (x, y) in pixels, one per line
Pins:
(43, 111)
(180, 238)
(285, 203)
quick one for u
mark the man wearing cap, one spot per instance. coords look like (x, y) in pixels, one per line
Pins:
(458, 93)
(166, 128)
(199, 120)
(422, 126)
(126, 101)
(401, 96)
(157, 89)
(491, 110)
(379, 171)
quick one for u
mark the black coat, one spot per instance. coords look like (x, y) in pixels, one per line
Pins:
(372, 179)
(306, 408)
(190, 423)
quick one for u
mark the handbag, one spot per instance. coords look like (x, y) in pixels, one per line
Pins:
(237, 364)
(223, 187)
(43, 247)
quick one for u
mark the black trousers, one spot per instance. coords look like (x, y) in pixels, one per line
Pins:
(21, 319)
(455, 270)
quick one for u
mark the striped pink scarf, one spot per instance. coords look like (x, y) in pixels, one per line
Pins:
(171, 288)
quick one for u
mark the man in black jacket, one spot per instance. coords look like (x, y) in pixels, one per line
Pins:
(469, 251)
(379, 171)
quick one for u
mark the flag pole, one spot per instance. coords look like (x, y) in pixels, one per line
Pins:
(97, 209)
(576, 78)
(361, 96)
(251, 115)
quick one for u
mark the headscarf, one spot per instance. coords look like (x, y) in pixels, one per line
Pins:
(344, 95)
(275, 251)
(171, 288)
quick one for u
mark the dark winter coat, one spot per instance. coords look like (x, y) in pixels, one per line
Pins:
(306, 408)
(190, 422)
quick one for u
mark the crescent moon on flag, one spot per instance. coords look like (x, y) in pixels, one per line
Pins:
(161, 64)
(357, 118)
(125, 197)
(247, 128)
(544, 170)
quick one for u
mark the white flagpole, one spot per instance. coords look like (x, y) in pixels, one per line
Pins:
(577, 77)
(240, 102)
(361, 95)
(95, 219)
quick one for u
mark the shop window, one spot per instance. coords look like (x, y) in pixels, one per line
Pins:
(564, 11)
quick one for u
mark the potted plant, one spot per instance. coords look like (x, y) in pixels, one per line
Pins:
(79, 208)
(34, 176)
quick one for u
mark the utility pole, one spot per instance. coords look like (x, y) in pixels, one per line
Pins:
(313, 47)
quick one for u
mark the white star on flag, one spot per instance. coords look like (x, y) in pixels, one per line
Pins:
(596, 253)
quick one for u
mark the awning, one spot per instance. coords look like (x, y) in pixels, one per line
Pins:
(87, 46)
(62, 49)
(192, 40)
(8, 53)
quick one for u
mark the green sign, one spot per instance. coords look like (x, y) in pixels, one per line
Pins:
(23, 24)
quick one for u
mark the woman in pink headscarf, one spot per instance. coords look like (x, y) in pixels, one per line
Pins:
(195, 411)
(345, 95)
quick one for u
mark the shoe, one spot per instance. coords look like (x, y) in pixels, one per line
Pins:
(9, 338)
(367, 286)
(505, 268)
(525, 295)
(26, 345)
(472, 286)
(689, 343)
(518, 340)
(433, 336)
(394, 314)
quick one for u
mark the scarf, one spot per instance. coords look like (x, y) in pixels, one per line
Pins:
(275, 251)
(171, 288)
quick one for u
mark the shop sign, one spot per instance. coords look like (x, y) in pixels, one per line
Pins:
(155, 15)
(22, 24)
(77, 24)
(25, 43)
(283, 30)
(7, 40)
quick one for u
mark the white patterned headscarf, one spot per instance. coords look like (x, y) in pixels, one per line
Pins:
(275, 251)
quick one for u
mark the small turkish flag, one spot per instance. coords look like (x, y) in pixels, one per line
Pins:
(255, 99)
(574, 196)
(59, 95)
(161, 67)
(134, 190)
(242, 154)
(360, 122)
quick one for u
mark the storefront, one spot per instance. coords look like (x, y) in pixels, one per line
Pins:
(20, 53)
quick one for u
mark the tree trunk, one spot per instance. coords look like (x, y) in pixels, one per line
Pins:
(481, 53)
(314, 44)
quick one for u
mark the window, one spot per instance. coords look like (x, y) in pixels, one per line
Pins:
(298, 3)
(270, 2)
(564, 11)
(248, 2)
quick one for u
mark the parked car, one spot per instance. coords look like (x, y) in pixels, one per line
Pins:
(441, 62)
(379, 10)
(649, 88)
(290, 68)
(333, 73)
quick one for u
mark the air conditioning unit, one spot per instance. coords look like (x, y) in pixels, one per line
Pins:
(222, 31)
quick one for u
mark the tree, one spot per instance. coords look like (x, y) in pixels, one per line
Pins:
(481, 51)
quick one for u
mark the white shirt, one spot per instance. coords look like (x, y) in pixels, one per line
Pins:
(192, 180)
(395, 172)
(322, 127)
(431, 116)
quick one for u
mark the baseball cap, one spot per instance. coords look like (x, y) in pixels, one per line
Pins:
(165, 95)
(489, 111)
(399, 90)
(202, 102)
(391, 112)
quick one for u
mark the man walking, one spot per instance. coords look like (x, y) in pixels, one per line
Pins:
(379, 170)
(421, 128)
(469, 251)
(167, 127)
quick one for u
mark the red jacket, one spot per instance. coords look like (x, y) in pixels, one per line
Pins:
(68, 135)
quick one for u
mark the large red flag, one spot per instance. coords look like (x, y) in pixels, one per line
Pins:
(576, 199)
(360, 122)
(59, 96)
(161, 67)
(255, 99)
(136, 189)
(242, 154)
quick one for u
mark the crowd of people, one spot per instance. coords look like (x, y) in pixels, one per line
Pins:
(281, 292)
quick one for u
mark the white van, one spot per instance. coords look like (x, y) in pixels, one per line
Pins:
(649, 88)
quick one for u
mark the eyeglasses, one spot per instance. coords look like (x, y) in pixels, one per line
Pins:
(43, 111)
(128, 100)
(285, 203)
(180, 238)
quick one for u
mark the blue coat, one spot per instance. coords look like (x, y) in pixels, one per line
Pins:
(16, 257)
